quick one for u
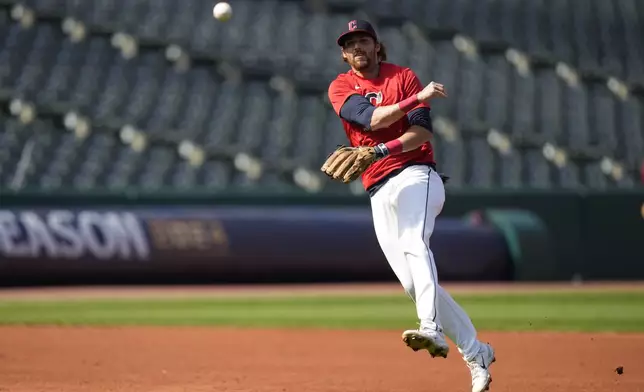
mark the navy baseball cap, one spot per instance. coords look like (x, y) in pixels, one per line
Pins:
(357, 26)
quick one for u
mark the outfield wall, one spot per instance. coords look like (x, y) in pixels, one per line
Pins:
(235, 244)
(121, 238)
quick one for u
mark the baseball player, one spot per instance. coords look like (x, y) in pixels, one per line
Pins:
(386, 117)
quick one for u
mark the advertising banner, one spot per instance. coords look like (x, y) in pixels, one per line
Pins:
(250, 244)
(64, 234)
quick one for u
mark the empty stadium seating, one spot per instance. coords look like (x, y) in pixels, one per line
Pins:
(255, 87)
(595, 35)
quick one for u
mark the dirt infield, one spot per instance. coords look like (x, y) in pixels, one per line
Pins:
(226, 360)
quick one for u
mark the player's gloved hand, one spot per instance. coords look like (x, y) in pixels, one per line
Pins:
(347, 164)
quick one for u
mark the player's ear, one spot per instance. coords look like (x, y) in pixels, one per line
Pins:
(382, 51)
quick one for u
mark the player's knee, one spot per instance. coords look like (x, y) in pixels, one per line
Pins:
(414, 246)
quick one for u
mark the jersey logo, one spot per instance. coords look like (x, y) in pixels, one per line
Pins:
(374, 98)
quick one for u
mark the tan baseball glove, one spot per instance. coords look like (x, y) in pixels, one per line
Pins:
(347, 164)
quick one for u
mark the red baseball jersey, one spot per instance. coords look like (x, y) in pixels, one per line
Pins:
(394, 84)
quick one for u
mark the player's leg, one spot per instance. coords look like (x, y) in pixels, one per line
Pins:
(457, 325)
(439, 311)
(459, 328)
(385, 224)
(419, 197)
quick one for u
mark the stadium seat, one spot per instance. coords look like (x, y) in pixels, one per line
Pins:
(288, 124)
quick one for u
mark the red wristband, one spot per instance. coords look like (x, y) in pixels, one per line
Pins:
(408, 104)
(394, 147)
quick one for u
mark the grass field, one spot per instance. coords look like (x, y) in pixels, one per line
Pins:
(618, 311)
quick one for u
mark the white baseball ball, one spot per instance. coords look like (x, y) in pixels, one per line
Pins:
(222, 11)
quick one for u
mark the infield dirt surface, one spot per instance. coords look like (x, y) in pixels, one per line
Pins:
(172, 359)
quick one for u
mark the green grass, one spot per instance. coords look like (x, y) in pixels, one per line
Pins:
(601, 311)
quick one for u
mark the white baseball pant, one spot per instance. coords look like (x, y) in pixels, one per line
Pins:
(404, 212)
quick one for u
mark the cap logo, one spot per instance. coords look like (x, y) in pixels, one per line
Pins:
(353, 25)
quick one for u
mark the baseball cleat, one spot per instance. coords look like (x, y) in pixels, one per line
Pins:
(479, 368)
(432, 341)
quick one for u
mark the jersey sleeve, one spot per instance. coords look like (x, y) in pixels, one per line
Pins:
(421, 117)
(339, 91)
(411, 85)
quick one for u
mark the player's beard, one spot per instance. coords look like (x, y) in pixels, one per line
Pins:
(363, 61)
